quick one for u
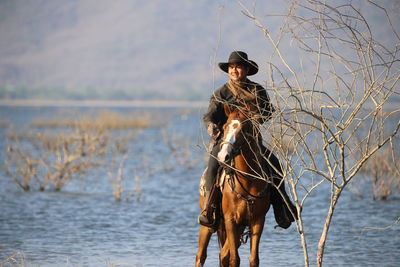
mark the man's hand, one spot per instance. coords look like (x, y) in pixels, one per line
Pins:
(212, 129)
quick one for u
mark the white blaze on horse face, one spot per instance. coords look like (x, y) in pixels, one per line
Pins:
(229, 140)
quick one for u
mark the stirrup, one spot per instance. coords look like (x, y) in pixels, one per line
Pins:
(208, 217)
(201, 219)
(204, 220)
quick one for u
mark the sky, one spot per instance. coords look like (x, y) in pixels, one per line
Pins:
(166, 48)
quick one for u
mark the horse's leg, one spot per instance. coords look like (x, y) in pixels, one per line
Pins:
(221, 234)
(231, 244)
(224, 254)
(256, 230)
(204, 239)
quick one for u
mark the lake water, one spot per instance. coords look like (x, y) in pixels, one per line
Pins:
(83, 226)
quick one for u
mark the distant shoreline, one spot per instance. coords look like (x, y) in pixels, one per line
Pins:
(121, 103)
(101, 103)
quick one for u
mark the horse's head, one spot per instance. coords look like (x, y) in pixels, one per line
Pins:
(237, 124)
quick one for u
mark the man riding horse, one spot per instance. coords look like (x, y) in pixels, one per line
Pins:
(239, 91)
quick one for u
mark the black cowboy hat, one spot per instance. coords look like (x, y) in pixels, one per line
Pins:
(239, 57)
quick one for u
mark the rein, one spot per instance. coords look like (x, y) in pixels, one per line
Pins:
(249, 197)
(233, 174)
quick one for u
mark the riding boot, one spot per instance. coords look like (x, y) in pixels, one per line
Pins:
(282, 209)
(208, 216)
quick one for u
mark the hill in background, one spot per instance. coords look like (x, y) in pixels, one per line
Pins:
(126, 49)
(134, 49)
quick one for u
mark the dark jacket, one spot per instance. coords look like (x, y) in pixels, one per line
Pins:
(215, 112)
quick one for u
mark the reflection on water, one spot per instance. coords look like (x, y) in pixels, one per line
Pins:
(84, 226)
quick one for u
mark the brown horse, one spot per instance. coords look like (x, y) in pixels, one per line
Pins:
(245, 198)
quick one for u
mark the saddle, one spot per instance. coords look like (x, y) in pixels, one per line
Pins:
(219, 182)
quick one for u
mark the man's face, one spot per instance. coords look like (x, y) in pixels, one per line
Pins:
(237, 72)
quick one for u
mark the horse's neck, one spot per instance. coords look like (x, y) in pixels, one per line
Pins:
(248, 168)
(247, 160)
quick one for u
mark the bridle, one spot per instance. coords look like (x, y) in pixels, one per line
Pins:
(229, 143)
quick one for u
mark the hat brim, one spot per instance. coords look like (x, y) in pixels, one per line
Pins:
(253, 67)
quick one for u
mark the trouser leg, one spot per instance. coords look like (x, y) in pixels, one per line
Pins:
(207, 217)
(272, 164)
(212, 168)
(274, 168)
(283, 207)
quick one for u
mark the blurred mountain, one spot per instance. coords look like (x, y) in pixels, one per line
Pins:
(117, 49)
(131, 49)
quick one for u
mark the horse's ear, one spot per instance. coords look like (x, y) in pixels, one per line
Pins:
(228, 109)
